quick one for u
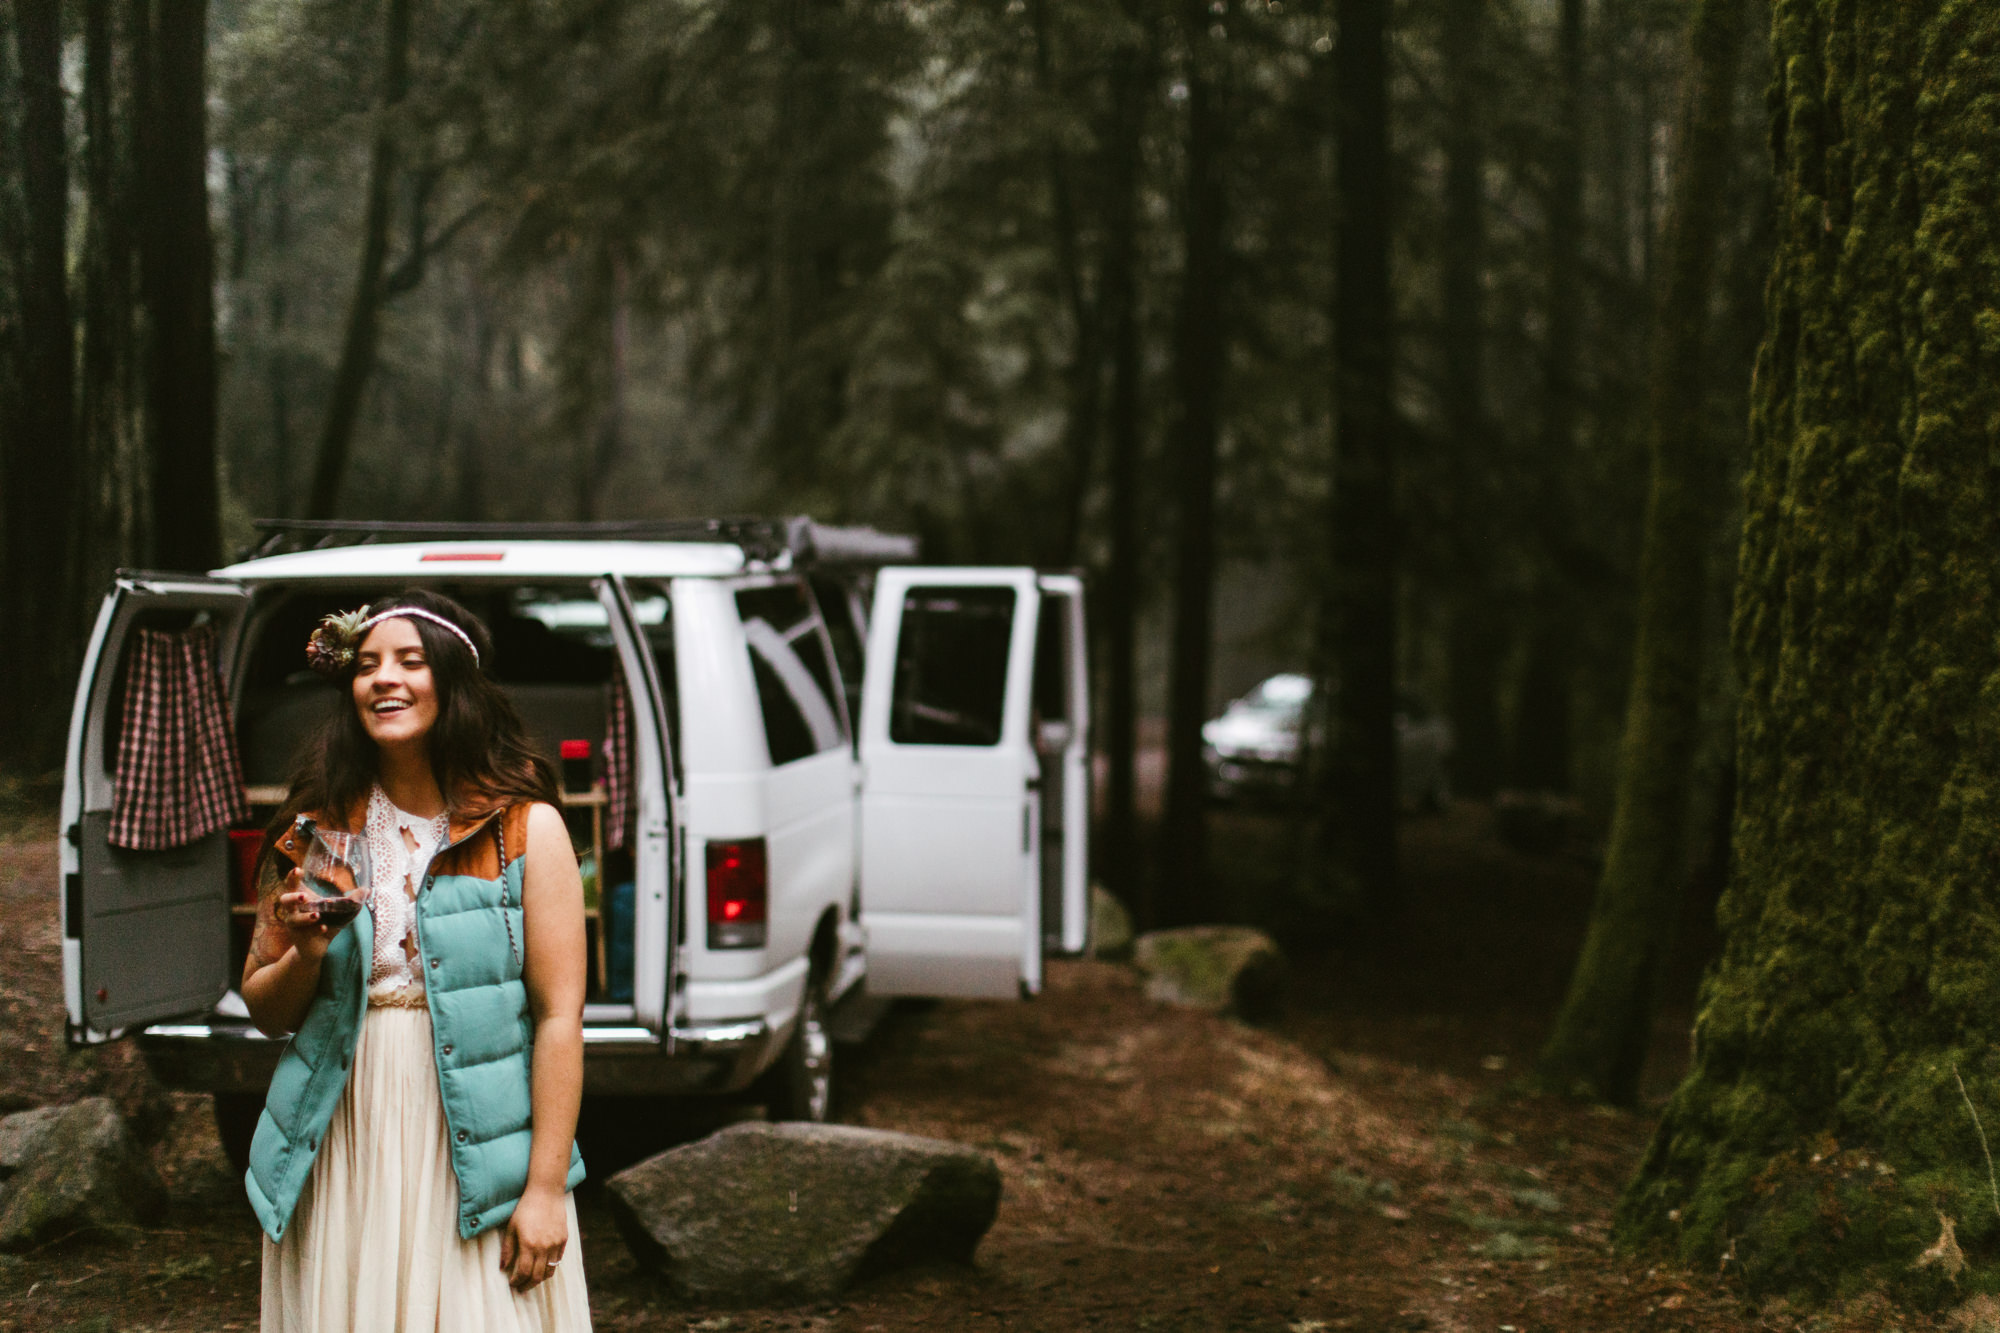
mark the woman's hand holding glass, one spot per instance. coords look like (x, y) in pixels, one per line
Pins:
(311, 919)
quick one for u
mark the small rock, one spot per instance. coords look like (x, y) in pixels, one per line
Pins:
(760, 1214)
(1541, 1200)
(1222, 969)
(18, 1133)
(1110, 925)
(80, 1172)
(1508, 1247)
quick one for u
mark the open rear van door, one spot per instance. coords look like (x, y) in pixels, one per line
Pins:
(145, 934)
(1062, 743)
(951, 898)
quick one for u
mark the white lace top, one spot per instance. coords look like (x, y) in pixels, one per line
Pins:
(400, 848)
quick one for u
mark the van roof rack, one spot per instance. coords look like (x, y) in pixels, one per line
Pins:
(760, 538)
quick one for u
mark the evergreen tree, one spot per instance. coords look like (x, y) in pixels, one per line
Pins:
(1845, 1043)
(38, 469)
(1361, 609)
(1602, 1034)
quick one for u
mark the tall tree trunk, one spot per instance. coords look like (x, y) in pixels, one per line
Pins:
(1132, 70)
(1360, 821)
(1601, 1035)
(364, 307)
(176, 273)
(602, 325)
(1084, 376)
(1476, 629)
(38, 458)
(277, 320)
(108, 451)
(1198, 354)
(1542, 739)
(1845, 1083)
(1542, 721)
(473, 440)
(780, 408)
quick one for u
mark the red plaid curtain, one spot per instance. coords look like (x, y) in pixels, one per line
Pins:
(617, 759)
(178, 775)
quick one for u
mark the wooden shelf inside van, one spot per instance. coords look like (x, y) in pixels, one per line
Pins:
(593, 800)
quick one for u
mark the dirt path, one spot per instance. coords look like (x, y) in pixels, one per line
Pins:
(1163, 1170)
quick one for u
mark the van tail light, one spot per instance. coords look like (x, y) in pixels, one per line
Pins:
(739, 892)
(244, 844)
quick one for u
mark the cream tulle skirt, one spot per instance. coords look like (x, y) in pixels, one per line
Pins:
(374, 1243)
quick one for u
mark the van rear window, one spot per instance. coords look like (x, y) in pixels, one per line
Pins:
(951, 666)
(791, 659)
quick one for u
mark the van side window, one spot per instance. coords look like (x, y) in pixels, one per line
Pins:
(655, 612)
(847, 633)
(789, 656)
(950, 686)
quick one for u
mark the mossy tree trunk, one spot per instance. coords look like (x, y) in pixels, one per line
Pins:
(1821, 1134)
(1600, 1038)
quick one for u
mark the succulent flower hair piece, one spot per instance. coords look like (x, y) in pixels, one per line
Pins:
(331, 648)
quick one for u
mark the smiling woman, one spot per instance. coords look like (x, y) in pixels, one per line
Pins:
(464, 899)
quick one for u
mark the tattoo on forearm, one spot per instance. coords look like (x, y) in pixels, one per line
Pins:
(263, 947)
(267, 942)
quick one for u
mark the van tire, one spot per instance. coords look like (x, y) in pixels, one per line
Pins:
(800, 1085)
(236, 1124)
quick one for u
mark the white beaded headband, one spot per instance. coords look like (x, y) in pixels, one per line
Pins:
(332, 646)
(422, 614)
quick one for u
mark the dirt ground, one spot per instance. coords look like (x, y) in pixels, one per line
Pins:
(1366, 1163)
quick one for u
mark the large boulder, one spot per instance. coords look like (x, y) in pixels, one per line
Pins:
(19, 1133)
(76, 1170)
(1220, 969)
(762, 1214)
(1110, 925)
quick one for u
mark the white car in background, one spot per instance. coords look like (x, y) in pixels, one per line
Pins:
(1252, 750)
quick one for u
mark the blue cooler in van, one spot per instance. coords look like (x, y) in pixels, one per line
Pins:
(618, 943)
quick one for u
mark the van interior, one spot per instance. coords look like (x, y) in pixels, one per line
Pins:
(552, 653)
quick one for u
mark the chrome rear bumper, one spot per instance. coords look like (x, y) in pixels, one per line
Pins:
(232, 1056)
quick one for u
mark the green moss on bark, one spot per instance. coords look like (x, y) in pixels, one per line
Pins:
(1861, 960)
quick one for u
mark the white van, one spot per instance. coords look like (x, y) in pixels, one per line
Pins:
(849, 779)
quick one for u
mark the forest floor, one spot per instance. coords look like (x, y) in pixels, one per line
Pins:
(1368, 1162)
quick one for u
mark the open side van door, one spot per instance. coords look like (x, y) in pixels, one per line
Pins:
(145, 934)
(951, 862)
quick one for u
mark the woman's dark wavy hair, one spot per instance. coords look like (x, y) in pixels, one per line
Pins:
(479, 749)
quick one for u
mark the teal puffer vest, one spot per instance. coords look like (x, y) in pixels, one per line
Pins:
(470, 934)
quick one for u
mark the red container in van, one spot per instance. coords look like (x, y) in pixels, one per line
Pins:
(243, 847)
